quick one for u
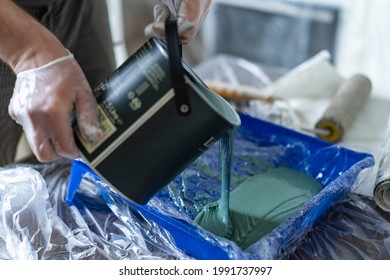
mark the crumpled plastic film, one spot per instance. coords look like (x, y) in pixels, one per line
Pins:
(36, 223)
(29, 226)
(355, 229)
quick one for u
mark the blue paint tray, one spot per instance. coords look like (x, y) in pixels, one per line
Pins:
(177, 204)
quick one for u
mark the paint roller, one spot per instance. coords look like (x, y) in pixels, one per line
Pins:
(381, 191)
(345, 105)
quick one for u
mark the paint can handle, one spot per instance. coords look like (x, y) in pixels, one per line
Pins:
(176, 68)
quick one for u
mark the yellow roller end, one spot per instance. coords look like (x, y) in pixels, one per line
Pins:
(335, 131)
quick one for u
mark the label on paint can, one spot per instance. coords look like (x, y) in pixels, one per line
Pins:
(128, 96)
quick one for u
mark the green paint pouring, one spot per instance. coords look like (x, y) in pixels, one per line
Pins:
(220, 223)
(258, 204)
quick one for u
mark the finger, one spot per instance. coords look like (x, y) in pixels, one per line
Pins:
(41, 145)
(19, 99)
(46, 151)
(61, 135)
(160, 12)
(156, 29)
(34, 125)
(186, 31)
(69, 152)
(87, 116)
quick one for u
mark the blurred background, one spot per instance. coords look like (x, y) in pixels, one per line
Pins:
(279, 33)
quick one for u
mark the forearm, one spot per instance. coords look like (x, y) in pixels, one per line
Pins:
(25, 43)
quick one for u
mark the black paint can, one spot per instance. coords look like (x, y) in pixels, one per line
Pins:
(157, 117)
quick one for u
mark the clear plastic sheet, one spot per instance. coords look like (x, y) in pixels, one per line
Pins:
(234, 71)
(355, 229)
(36, 223)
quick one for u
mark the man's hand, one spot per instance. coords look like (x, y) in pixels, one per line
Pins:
(190, 15)
(42, 102)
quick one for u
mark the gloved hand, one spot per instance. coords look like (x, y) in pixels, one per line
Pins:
(42, 102)
(190, 15)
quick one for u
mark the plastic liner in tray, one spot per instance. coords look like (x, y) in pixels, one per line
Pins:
(178, 203)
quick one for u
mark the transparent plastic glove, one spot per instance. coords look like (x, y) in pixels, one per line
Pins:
(42, 102)
(190, 15)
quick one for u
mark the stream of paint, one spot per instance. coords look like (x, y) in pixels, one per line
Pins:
(258, 204)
